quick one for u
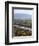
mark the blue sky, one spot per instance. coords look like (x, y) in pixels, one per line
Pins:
(23, 11)
(22, 14)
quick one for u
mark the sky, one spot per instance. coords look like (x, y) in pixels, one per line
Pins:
(23, 11)
(22, 14)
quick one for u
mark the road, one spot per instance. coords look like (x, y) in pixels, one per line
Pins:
(22, 27)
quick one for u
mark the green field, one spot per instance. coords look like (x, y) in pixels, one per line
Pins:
(26, 23)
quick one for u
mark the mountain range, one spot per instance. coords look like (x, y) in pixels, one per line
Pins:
(22, 16)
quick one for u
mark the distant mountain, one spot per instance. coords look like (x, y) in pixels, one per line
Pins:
(22, 16)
